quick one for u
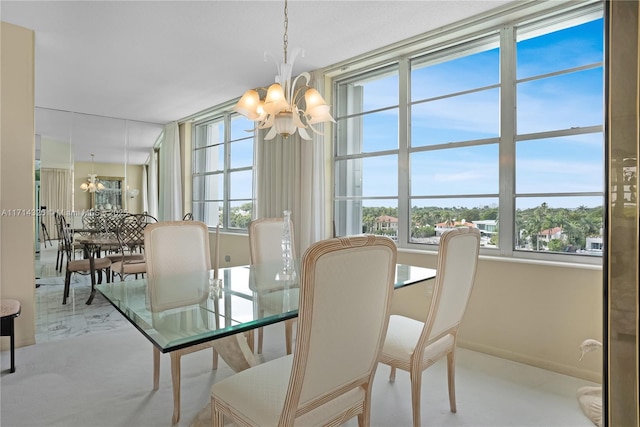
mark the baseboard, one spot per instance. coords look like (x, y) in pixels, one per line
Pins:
(572, 371)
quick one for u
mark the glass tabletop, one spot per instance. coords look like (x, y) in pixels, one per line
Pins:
(187, 309)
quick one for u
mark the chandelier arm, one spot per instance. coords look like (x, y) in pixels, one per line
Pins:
(317, 132)
(299, 93)
(292, 96)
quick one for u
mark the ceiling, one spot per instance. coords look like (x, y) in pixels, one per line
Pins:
(126, 68)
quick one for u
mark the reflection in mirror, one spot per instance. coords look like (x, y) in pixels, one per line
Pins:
(111, 197)
(64, 143)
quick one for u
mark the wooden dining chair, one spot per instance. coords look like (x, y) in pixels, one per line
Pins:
(346, 288)
(265, 246)
(414, 345)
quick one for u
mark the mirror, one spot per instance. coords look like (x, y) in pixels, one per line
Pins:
(111, 196)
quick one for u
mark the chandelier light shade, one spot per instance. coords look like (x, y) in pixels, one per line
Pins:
(285, 107)
(92, 185)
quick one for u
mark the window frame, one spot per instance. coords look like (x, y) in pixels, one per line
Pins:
(458, 42)
(225, 115)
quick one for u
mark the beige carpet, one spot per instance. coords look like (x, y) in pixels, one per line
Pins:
(105, 379)
(102, 379)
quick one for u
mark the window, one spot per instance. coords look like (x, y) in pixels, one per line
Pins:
(501, 131)
(223, 171)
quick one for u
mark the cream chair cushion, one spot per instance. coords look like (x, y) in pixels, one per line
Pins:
(346, 288)
(402, 336)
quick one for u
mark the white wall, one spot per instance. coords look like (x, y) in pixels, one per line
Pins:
(534, 313)
(530, 312)
(17, 176)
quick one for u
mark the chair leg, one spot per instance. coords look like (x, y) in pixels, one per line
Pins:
(12, 343)
(175, 380)
(59, 268)
(451, 375)
(260, 337)
(215, 359)
(93, 288)
(416, 386)
(156, 368)
(392, 374)
(67, 284)
(217, 417)
(249, 335)
(288, 335)
(364, 418)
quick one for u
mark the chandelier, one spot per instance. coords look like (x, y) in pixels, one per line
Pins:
(282, 110)
(92, 185)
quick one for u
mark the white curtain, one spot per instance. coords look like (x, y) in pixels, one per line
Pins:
(145, 183)
(290, 176)
(152, 185)
(170, 206)
(56, 190)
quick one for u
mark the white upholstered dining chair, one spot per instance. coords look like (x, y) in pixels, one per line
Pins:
(265, 246)
(174, 247)
(413, 345)
(346, 287)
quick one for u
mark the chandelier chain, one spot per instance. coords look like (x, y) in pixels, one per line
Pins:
(285, 38)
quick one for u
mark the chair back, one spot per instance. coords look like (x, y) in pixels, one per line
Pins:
(111, 221)
(457, 262)
(173, 247)
(265, 240)
(346, 287)
(93, 220)
(130, 231)
(65, 233)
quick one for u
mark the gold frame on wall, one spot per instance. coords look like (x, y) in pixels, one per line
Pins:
(112, 196)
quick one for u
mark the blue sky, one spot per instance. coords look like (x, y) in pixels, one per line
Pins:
(563, 164)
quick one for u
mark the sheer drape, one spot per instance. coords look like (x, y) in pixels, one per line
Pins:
(152, 184)
(170, 206)
(56, 191)
(290, 175)
(145, 192)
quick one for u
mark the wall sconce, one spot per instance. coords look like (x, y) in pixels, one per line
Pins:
(132, 193)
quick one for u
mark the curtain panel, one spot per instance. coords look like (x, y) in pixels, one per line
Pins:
(289, 175)
(56, 193)
(170, 206)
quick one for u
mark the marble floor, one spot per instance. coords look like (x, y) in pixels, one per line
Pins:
(55, 321)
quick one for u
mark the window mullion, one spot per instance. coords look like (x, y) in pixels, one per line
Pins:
(404, 132)
(506, 212)
(227, 179)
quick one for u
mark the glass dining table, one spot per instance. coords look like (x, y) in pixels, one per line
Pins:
(175, 312)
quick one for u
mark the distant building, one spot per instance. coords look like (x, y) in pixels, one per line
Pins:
(448, 225)
(487, 227)
(594, 244)
(387, 224)
(550, 234)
